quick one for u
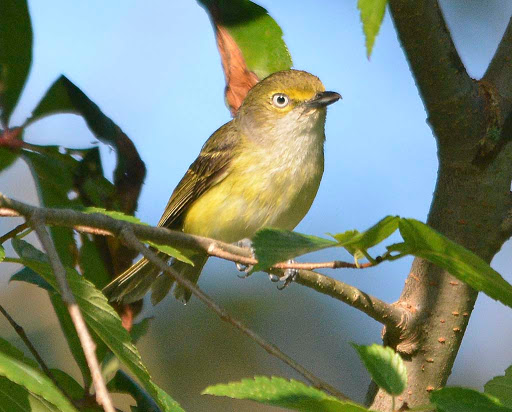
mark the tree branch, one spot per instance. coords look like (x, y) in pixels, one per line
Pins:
(105, 225)
(390, 315)
(434, 61)
(88, 346)
(499, 72)
(129, 238)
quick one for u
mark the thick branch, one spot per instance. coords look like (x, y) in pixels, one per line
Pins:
(105, 225)
(434, 61)
(88, 346)
(499, 72)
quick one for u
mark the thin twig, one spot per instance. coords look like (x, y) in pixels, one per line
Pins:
(109, 226)
(129, 238)
(21, 333)
(14, 232)
(88, 345)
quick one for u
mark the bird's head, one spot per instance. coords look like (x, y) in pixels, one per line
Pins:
(285, 101)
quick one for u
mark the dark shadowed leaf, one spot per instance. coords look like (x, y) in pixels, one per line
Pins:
(425, 242)
(105, 323)
(501, 388)
(29, 276)
(15, 53)
(285, 393)
(276, 245)
(16, 398)
(372, 13)
(385, 366)
(465, 400)
(34, 381)
(7, 158)
(69, 384)
(123, 383)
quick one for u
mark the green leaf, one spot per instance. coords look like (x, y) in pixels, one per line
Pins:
(465, 400)
(12, 351)
(114, 214)
(354, 241)
(91, 263)
(386, 367)
(72, 387)
(123, 383)
(284, 393)
(501, 387)
(15, 53)
(258, 36)
(426, 243)
(277, 245)
(29, 276)
(106, 324)
(16, 398)
(64, 96)
(2, 253)
(7, 158)
(372, 13)
(34, 381)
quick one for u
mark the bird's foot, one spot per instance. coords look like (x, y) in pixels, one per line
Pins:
(241, 267)
(288, 277)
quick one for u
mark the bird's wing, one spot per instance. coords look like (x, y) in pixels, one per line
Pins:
(211, 167)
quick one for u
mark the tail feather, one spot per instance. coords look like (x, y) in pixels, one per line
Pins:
(134, 282)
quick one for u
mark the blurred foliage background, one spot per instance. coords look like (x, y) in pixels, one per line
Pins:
(155, 70)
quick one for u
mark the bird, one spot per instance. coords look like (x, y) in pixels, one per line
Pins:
(261, 169)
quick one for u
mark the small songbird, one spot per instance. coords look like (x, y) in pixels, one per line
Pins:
(262, 169)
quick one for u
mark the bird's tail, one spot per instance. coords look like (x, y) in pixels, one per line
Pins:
(135, 281)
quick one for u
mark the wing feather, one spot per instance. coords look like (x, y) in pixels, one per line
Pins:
(211, 167)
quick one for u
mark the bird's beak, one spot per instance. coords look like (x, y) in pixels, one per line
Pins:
(323, 99)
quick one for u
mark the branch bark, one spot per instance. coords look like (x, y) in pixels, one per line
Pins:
(88, 346)
(470, 202)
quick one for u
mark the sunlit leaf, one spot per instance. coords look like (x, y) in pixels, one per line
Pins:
(285, 393)
(425, 242)
(277, 245)
(386, 367)
(501, 387)
(372, 13)
(465, 400)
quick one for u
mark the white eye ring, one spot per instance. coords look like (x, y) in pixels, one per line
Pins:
(280, 100)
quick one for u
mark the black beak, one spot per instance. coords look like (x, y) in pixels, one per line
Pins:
(323, 99)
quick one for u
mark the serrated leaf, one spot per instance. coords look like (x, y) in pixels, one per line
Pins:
(353, 241)
(272, 246)
(285, 393)
(34, 381)
(106, 324)
(372, 14)
(29, 276)
(386, 367)
(501, 388)
(15, 53)
(465, 400)
(429, 244)
(16, 398)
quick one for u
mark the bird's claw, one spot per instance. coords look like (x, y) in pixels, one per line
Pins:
(288, 277)
(240, 266)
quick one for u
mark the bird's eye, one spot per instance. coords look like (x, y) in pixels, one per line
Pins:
(280, 100)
